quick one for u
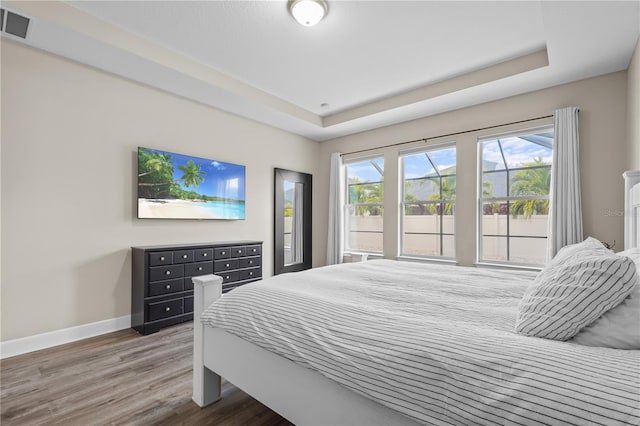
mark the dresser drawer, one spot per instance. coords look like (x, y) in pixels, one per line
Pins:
(188, 304)
(253, 250)
(161, 258)
(159, 273)
(168, 308)
(249, 262)
(188, 284)
(238, 251)
(228, 287)
(199, 268)
(203, 254)
(225, 265)
(158, 288)
(229, 277)
(223, 253)
(249, 274)
(183, 256)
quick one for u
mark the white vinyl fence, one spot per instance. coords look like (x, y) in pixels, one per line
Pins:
(366, 235)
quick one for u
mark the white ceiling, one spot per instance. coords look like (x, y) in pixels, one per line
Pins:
(374, 62)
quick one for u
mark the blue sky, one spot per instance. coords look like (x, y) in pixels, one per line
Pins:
(365, 171)
(222, 179)
(417, 165)
(517, 152)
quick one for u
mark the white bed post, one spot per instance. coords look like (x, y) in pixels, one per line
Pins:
(631, 209)
(206, 384)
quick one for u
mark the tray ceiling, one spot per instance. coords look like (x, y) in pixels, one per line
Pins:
(368, 64)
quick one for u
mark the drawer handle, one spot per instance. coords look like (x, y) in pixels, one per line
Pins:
(250, 274)
(161, 258)
(168, 286)
(227, 265)
(184, 256)
(223, 252)
(167, 309)
(239, 251)
(227, 277)
(251, 262)
(204, 254)
(253, 250)
(199, 268)
(168, 273)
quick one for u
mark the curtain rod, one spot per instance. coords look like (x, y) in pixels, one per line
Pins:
(448, 134)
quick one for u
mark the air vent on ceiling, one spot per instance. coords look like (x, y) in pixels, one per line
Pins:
(14, 24)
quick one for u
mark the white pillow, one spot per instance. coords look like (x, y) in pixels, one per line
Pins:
(633, 254)
(578, 286)
(589, 245)
(619, 327)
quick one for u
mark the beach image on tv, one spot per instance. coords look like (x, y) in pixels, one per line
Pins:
(175, 186)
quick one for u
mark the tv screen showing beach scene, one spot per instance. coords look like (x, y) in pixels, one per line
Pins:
(176, 186)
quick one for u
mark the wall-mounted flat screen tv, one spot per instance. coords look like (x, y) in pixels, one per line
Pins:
(176, 186)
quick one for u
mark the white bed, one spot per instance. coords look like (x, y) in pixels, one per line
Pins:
(469, 367)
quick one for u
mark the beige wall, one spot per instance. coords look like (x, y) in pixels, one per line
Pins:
(602, 103)
(69, 139)
(69, 135)
(633, 111)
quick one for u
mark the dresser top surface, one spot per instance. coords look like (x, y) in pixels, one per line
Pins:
(198, 245)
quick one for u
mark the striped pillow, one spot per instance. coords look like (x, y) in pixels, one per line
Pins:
(619, 327)
(572, 292)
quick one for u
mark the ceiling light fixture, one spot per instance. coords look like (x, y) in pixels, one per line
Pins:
(308, 12)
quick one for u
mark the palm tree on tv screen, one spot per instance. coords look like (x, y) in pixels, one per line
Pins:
(155, 174)
(193, 174)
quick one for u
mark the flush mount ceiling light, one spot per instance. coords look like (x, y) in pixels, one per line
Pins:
(308, 12)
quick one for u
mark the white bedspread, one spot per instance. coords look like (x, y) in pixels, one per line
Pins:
(436, 343)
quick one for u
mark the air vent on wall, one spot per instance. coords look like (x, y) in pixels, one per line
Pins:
(14, 24)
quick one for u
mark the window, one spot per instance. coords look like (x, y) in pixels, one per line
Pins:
(514, 198)
(428, 202)
(365, 194)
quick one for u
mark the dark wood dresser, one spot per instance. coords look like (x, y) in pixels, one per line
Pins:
(161, 286)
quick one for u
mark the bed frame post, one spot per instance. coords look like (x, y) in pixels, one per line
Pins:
(631, 209)
(206, 383)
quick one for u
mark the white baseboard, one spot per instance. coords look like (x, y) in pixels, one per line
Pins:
(59, 337)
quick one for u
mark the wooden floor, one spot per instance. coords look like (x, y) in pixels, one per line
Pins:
(121, 378)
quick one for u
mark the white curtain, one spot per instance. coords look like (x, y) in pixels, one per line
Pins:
(334, 242)
(565, 207)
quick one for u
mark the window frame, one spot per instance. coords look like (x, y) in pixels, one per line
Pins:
(345, 227)
(480, 201)
(401, 211)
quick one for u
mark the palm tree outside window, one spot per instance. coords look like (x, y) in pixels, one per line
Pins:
(364, 205)
(428, 202)
(515, 178)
